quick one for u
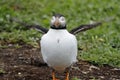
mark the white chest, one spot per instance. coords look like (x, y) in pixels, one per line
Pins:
(59, 49)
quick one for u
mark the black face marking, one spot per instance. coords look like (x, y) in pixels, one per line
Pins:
(60, 26)
(58, 15)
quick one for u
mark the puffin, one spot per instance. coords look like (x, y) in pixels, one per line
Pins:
(58, 46)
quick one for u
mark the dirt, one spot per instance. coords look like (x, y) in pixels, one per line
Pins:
(25, 63)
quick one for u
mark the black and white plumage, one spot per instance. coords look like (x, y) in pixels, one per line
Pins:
(74, 31)
(58, 46)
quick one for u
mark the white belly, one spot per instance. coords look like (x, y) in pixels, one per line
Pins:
(59, 50)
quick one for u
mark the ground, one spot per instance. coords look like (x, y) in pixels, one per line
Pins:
(25, 63)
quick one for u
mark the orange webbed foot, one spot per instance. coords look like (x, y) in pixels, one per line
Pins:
(67, 76)
(53, 76)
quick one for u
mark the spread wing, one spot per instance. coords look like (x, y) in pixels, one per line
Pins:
(34, 26)
(90, 26)
(73, 31)
(84, 27)
(38, 28)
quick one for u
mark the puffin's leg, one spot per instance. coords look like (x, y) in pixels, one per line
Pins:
(67, 76)
(53, 76)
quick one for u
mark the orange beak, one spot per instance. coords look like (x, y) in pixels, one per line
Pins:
(57, 23)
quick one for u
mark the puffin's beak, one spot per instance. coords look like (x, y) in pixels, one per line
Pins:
(57, 23)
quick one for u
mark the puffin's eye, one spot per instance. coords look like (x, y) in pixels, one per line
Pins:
(62, 19)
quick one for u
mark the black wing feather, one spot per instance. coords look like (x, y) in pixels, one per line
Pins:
(84, 27)
(34, 26)
(38, 28)
(90, 26)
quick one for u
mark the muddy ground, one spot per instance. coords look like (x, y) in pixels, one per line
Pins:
(25, 63)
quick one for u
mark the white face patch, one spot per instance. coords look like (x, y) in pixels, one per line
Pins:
(53, 20)
(61, 20)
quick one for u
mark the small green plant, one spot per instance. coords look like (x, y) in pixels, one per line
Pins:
(76, 78)
(2, 71)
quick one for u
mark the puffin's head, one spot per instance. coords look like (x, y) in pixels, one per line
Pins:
(58, 21)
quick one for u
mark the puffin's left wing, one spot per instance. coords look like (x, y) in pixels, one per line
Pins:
(84, 27)
(90, 26)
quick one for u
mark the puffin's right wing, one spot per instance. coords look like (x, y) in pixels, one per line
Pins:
(38, 28)
(34, 26)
